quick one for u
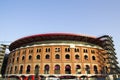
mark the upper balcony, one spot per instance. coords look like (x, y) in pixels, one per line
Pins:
(107, 43)
(106, 37)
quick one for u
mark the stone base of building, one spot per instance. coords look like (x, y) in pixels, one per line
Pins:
(58, 76)
(65, 76)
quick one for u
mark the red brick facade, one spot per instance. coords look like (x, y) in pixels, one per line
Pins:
(62, 55)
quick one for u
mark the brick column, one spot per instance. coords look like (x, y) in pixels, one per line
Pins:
(62, 70)
(51, 69)
(24, 69)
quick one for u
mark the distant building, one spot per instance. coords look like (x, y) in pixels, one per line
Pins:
(2, 54)
(3, 69)
(62, 54)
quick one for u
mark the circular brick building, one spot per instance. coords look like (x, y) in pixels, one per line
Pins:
(56, 54)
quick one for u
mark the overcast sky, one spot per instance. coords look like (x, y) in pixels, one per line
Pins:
(19, 18)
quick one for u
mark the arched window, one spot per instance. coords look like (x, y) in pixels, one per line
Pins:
(24, 52)
(67, 49)
(57, 49)
(21, 69)
(67, 56)
(38, 50)
(86, 57)
(57, 69)
(46, 69)
(23, 57)
(36, 69)
(28, 69)
(15, 71)
(85, 50)
(67, 69)
(93, 51)
(78, 69)
(38, 57)
(57, 56)
(30, 57)
(87, 69)
(76, 49)
(31, 51)
(47, 49)
(47, 56)
(95, 69)
(93, 57)
(17, 59)
(77, 56)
